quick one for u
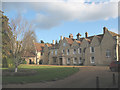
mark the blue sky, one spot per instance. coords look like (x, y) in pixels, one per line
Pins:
(53, 20)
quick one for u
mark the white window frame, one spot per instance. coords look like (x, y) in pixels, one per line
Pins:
(91, 49)
(74, 52)
(55, 52)
(80, 60)
(91, 61)
(79, 50)
(68, 52)
(63, 52)
(68, 60)
(108, 53)
(74, 61)
(51, 52)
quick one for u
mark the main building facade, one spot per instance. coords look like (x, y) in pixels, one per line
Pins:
(89, 50)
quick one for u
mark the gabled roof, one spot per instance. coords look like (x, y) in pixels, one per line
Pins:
(29, 54)
(39, 46)
(50, 45)
(114, 34)
(69, 40)
(100, 37)
(78, 41)
(88, 40)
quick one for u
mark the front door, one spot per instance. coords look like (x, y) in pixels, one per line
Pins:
(60, 61)
(30, 62)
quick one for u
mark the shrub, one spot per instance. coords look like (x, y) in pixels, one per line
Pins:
(24, 62)
(4, 63)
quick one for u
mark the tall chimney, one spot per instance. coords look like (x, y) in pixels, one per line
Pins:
(104, 30)
(53, 41)
(71, 36)
(61, 37)
(86, 34)
(78, 36)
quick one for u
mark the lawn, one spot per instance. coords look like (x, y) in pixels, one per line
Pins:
(44, 73)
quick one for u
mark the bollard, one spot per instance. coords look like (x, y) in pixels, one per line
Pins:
(97, 82)
(114, 82)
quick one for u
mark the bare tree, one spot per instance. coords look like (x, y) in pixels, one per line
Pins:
(28, 41)
(19, 27)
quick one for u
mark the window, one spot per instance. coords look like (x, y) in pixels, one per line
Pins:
(91, 49)
(74, 60)
(84, 50)
(68, 52)
(79, 50)
(64, 44)
(52, 52)
(80, 60)
(92, 60)
(63, 51)
(42, 48)
(54, 60)
(68, 60)
(74, 51)
(41, 53)
(55, 52)
(108, 53)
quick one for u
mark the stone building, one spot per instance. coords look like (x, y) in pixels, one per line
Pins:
(89, 50)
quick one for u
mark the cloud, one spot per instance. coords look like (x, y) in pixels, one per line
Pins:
(51, 14)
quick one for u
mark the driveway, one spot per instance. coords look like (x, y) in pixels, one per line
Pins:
(85, 78)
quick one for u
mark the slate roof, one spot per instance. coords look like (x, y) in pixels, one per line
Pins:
(29, 54)
(69, 40)
(40, 45)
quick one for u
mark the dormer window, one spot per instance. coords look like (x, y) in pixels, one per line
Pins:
(91, 49)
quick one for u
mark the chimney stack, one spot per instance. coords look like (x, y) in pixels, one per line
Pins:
(104, 30)
(61, 37)
(71, 36)
(86, 34)
(78, 36)
(53, 41)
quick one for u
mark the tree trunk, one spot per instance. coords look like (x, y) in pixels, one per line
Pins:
(16, 69)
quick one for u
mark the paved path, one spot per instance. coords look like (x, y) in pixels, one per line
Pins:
(85, 78)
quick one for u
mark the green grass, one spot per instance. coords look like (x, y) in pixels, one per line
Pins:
(44, 73)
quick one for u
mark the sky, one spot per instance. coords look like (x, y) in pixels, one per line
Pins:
(55, 18)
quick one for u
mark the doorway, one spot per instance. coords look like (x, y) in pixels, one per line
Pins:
(41, 62)
(30, 62)
(60, 61)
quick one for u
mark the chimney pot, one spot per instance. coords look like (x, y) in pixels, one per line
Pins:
(53, 41)
(78, 36)
(61, 37)
(86, 34)
(104, 30)
(71, 36)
